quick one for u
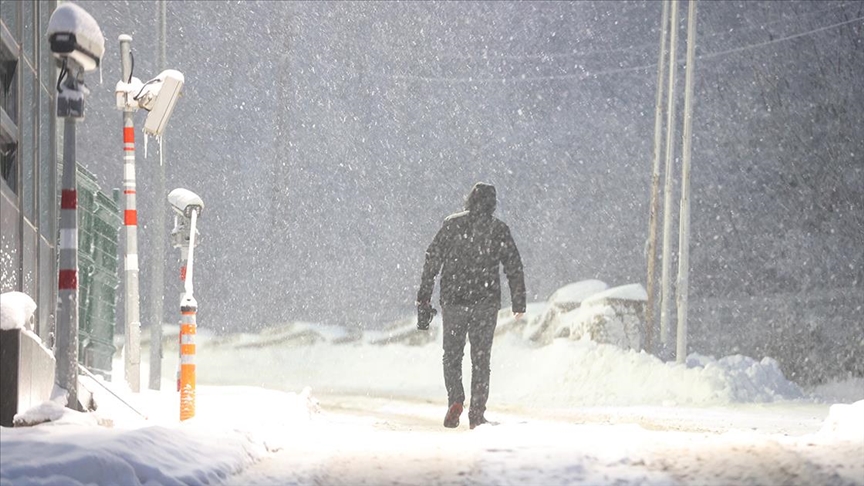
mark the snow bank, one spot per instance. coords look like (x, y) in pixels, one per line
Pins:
(845, 422)
(234, 428)
(564, 373)
(568, 373)
(16, 311)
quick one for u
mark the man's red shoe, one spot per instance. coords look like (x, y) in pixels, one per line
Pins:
(451, 420)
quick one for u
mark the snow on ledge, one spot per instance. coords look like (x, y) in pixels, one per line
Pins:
(16, 311)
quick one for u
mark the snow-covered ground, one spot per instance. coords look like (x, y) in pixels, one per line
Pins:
(304, 404)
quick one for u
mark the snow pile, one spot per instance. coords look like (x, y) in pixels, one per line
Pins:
(543, 327)
(584, 372)
(16, 311)
(564, 373)
(49, 411)
(744, 379)
(845, 422)
(613, 316)
(234, 428)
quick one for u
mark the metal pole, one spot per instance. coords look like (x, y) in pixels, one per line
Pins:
(67, 284)
(665, 300)
(184, 257)
(188, 329)
(157, 282)
(130, 220)
(655, 180)
(684, 232)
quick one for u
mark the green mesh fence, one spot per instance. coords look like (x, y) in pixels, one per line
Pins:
(98, 234)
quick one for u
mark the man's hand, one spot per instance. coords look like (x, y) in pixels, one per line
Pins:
(425, 313)
(518, 315)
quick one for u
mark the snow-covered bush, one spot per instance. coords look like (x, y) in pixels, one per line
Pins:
(545, 327)
(614, 316)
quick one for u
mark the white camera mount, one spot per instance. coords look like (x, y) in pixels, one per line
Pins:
(158, 96)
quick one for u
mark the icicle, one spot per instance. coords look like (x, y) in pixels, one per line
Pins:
(161, 154)
(100, 73)
(145, 145)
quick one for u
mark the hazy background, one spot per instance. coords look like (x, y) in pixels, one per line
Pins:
(329, 140)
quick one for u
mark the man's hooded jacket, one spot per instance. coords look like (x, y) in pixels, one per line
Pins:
(468, 250)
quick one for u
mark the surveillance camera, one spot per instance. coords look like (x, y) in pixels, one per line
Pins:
(184, 201)
(74, 34)
(158, 96)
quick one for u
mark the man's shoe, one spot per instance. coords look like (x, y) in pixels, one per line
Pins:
(478, 422)
(451, 420)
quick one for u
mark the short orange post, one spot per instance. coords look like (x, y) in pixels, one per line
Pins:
(187, 360)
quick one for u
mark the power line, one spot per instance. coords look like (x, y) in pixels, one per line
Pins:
(779, 39)
(589, 74)
(597, 52)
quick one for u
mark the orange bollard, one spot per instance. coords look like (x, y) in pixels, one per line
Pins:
(187, 361)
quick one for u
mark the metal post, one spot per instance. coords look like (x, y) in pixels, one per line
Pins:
(684, 232)
(188, 329)
(655, 180)
(184, 257)
(157, 281)
(666, 296)
(70, 105)
(130, 220)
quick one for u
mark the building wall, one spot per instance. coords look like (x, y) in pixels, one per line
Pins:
(29, 181)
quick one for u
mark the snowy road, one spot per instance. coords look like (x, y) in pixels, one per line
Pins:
(377, 441)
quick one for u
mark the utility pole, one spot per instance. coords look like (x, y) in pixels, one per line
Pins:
(67, 288)
(69, 27)
(157, 282)
(655, 179)
(665, 300)
(684, 225)
(130, 220)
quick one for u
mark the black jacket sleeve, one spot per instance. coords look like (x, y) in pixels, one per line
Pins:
(512, 262)
(434, 261)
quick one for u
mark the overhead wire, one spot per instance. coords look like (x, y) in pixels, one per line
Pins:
(588, 74)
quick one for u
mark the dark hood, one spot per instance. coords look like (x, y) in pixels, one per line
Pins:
(482, 199)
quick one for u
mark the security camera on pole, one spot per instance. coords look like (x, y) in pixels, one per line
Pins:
(158, 96)
(187, 206)
(78, 46)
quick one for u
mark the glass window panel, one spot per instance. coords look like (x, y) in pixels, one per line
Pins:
(9, 14)
(47, 168)
(10, 243)
(29, 260)
(28, 29)
(26, 149)
(47, 289)
(46, 59)
(9, 85)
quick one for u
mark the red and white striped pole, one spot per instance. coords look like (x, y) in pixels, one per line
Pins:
(67, 282)
(130, 220)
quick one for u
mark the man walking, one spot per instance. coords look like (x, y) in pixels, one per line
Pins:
(468, 251)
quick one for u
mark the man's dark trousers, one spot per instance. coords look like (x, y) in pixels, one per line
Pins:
(478, 323)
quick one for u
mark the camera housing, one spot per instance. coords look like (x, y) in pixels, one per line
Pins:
(184, 201)
(74, 34)
(158, 96)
